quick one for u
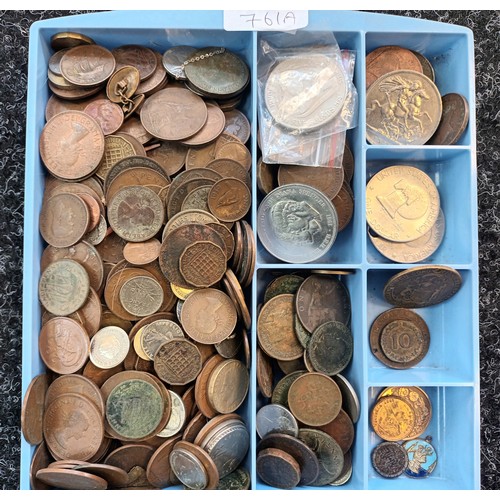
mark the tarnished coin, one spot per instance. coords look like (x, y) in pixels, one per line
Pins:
(346, 473)
(427, 68)
(157, 333)
(136, 213)
(158, 471)
(173, 114)
(33, 409)
(412, 251)
(350, 400)
(402, 203)
(177, 362)
(297, 223)
(177, 417)
(229, 199)
(107, 114)
(68, 39)
(138, 56)
(237, 124)
(202, 264)
(275, 330)
(174, 59)
(341, 429)
(330, 348)
(239, 479)
(71, 145)
(264, 373)
(141, 296)
(171, 156)
(288, 283)
(308, 102)
(314, 399)
(454, 120)
(266, 177)
(392, 418)
(390, 58)
(212, 128)
(389, 459)
(87, 65)
(322, 298)
(280, 391)
(70, 479)
(422, 458)
(348, 163)
(275, 418)
(422, 286)
(109, 347)
(278, 468)
(402, 107)
(344, 205)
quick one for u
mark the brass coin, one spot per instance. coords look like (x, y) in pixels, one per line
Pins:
(454, 120)
(402, 203)
(177, 362)
(180, 292)
(108, 347)
(137, 342)
(68, 39)
(141, 296)
(107, 114)
(389, 58)
(422, 286)
(212, 128)
(122, 84)
(71, 479)
(33, 409)
(71, 145)
(87, 65)
(392, 418)
(278, 468)
(208, 316)
(116, 148)
(202, 264)
(140, 57)
(275, 330)
(314, 399)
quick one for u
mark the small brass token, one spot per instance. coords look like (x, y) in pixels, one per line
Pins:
(68, 39)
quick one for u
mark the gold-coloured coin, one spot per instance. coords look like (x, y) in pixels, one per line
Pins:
(180, 292)
(402, 203)
(393, 419)
(138, 345)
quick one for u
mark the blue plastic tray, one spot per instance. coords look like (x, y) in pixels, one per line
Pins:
(450, 371)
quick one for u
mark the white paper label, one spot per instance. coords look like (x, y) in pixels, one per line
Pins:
(265, 20)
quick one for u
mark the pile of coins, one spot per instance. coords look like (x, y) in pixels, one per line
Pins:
(145, 322)
(399, 417)
(403, 104)
(406, 223)
(307, 429)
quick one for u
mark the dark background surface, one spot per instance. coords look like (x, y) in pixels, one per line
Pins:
(14, 34)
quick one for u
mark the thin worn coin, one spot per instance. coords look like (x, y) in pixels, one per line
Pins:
(341, 429)
(233, 289)
(322, 298)
(171, 156)
(402, 107)
(390, 58)
(177, 362)
(239, 479)
(275, 330)
(202, 264)
(71, 479)
(454, 120)
(346, 473)
(422, 458)
(288, 283)
(412, 251)
(264, 374)
(329, 453)
(41, 460)
(108, 115)
(115, 477)
(177, 417)
(278, 468)
(173, 114)
(274, 418)
(422, 286)
(392, 418)
(344, 205)
(229, 200)
(158, 470)
(174, 59)
(280, 391)
(237, 124)
(33, 409)
(308, 102)
(389, 459)
(350, 400)
(330, 347)
(427, 68)
(108, 347)
(402, 203)
(141, 296)
(314, 399)
(297, 223)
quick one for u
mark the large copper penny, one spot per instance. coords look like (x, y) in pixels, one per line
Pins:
(341, 429)
(107, 114)
(454, 120)
(322, 298)
(173, 114)
(208, 316)
(202, 264)
(278, 468)
(158, 470)
(177, 362)
(228, 168)
(70, 479)
(73, 427)
(275, 330)
(41, 460)
(142, 58)
(389, 58)
(211, 130)
(33, 409)
(314, 399)
(64, 345)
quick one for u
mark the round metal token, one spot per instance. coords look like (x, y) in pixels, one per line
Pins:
(389, 459)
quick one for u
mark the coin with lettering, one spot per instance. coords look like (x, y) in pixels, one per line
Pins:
(392, 418)
(275, 418)
(389, 459)
(454, 120)
(109, 115)
(229, 200)
(237, 124)
(297, 223)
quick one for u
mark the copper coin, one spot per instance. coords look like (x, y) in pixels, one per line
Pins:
(314, 399)
(122, 84)
(322, 298)
(287, 283)
(114, 476)
(230, 347)
(292, 366)
(74, 94)
(107, 114)
(158, 470)
(422, 286)
(64, 345)
(71, 479)
(202, 264)
(305, 457)
(233, 289)
(177, 362)
(143, 252)
(278, 468)
(275, 330)
(134, 128)
(208, 316)
(71, 145)
(98, 375)
(201, 386)
(64, 220)
(178, 193)
(344, 205)
(73, 427)
(341, 429)
(136, 213)
(33, 409)
(173, 114)
(427, 68)
(249, 257)
(454, 120)
(264, 374)
(194, 427)
(56, 105)
(41, 460)
(348, 163)
(68, 39)
(75, 384)
(156, 81)
(226, 235)
(237, 124)
(235, 151)
(266, 177)
(170, 155)
(200, 157)
(111, 248)
(230, 168)
(212, 128)
(129, 457)
(389, 58)
(87, 65)
(142, 58)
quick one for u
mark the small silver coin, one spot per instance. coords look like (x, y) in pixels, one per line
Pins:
(350, 400)
(297, 223)
(188, 469)
(174, 59)
(276, 418)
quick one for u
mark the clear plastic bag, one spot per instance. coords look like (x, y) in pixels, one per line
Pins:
(307, 99)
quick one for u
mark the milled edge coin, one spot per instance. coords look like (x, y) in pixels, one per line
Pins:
(389, 459)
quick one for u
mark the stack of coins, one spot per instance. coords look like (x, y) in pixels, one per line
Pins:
(399, 417)
(306, 426)
(144, 316)
(406, 223)
(404, 105)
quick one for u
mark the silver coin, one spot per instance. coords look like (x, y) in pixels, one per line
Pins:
(188, 469)
(157, 333)
(350, 400)
(305, 92)
(177, 417)
(297, 223)
(346, 473)
(276, 418)
(174, 59)
(178, 308)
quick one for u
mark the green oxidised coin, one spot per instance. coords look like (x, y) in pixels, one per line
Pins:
(134, 409)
